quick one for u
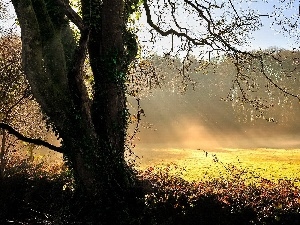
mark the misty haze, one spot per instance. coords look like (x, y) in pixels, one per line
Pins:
(200, 116)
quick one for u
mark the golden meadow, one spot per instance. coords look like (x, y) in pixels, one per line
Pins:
(250, 165)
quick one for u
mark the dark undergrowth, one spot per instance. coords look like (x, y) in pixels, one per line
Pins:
(231, 201)
(31, 194)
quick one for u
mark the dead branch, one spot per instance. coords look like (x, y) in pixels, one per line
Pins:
(35, 141)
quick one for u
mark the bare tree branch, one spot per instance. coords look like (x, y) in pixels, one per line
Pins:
(171, 31)
(26, 94)
(35, 141)
(234, 9)
(72, 15)
(210, 28)
(219, 35)
(283, 90)
(215, 38)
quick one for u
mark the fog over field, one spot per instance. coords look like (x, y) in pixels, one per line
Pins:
(200, 119)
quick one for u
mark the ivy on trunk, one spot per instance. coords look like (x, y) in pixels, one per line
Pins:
(93, 131)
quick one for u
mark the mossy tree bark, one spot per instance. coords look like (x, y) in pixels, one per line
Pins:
(93, 130)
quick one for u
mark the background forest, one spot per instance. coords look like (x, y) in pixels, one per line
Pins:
(200, 108)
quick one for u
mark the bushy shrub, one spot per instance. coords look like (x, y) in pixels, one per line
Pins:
(231, 201)
(34, 191)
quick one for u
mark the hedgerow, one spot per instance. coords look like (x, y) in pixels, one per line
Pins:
(37, 192)
(219, 201)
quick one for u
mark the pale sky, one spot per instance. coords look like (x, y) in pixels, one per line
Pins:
(267, 36)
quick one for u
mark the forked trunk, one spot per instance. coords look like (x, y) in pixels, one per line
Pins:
(93, 133)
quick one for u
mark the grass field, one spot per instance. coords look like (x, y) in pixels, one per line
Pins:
(250, 164)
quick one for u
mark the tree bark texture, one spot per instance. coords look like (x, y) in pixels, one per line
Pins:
(93, 130)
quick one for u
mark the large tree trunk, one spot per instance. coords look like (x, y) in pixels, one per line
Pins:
(93, 133)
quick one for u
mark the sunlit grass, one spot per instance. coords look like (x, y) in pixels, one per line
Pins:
(253, 164)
